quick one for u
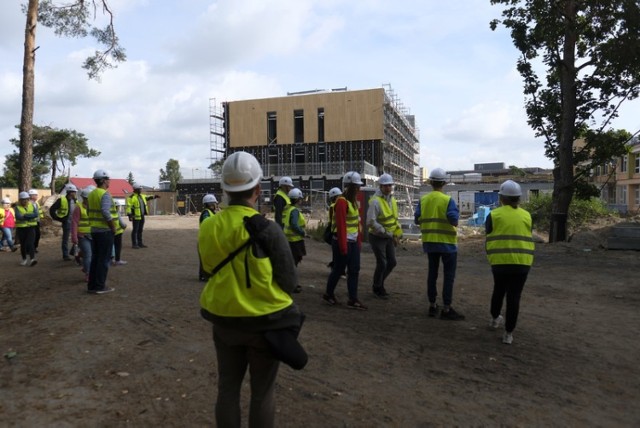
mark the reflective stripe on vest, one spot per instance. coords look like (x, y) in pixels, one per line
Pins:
(284, 196)
(388, 215)
(433, 219)
(63, 209)
(29, 209)
(94, 209)
(134, 205)
(510, 241)
(290, 233)
(353, 218)
(226, 293)
(83, 225)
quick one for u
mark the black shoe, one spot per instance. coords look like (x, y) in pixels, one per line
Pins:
(66, 258)
(451, 314)
(143, 246)
(433, 310)
(380, 293)
(135, 247)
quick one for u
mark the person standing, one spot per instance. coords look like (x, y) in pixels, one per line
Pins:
(334, 192)
(294, 229)
(137, 209)
(81, 231)
(281, 199)
(346, 243)
(384, 233)
(116, 259)
(7, 223)
(26, 222)
(510, 249)
(61, 211)
(210, 204)
(103, 216)
(33, 194)
(245, 295)
(438, 215)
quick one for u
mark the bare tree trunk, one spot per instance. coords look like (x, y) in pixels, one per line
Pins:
(28, 90)
(563, 186)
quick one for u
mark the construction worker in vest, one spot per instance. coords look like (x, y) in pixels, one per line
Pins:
(33, 194)
(281, 199)
(334, 192)
(347, 242)
(7, 224)
(61, 211)
(137, 209)
(210, 206)
(26, 222)
(384, 233)
(81, 231)
(116, 254)
(294, 229)
(103, 216)
(510, 247)
(246, 295)
(437, 214)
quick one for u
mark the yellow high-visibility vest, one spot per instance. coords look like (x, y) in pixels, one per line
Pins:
(83, 225)
(29, 209)
(292, 235)
(388, 215)
(434, 225)
(510, 241)
(94, 209)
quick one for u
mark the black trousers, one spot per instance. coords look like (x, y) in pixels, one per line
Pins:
(136, 232)
(508, 280)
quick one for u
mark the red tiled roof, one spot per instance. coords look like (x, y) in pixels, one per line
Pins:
(118, 187)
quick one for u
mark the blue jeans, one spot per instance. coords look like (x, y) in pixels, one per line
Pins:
(66, 234)
(85, 246)
(351, 261)
(449, 262)
(7, 236)
(102, 244)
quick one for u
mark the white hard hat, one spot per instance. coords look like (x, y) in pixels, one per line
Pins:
(33, 192)
(71, 188)
(136, 186)
(295, 193)
(351, 177)
(100, 174)
(510, 188)
(209, 199)
(24, 195)
(335, 192)
(241, 171)
(385, 179)
(285, 181)
(438, 174)
(85, 192)
(6, 201)
(119, 203)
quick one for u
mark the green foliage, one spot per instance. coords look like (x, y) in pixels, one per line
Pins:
(60, 182)
(317, 233)
(130, 179)
(172, 174)
(581, 211)
(12, 166)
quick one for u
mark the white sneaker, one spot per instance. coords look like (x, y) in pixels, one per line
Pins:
(507, 338)
(33, 262)
(494, 323)
(24, 262)
(120, 263)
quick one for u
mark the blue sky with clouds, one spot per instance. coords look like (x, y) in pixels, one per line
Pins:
(447, 67)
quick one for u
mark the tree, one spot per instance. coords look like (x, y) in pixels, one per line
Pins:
(71, 20)
(216, 168)
(172, 174)
(590, 52)
(130, 179)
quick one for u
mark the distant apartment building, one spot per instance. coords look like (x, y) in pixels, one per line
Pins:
(619, 180)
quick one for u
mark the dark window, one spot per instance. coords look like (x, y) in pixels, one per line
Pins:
(321, 125)
(272, 128)
(298, 126)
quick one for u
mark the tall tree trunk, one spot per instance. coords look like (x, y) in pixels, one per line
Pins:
(563, 186)
(28, 90)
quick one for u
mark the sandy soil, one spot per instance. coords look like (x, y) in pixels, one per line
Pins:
(143, 356)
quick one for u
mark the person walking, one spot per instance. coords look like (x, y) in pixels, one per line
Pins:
(247, 293)
(438, 215)
(26, 222)
(346, 243)
(281, 199)
(116, 255)
(294, 229)
(137, 210)
(384, 233)
(33, 194)
(510, 249)
(103, 216)
(61, 211)
(334, 192)
(210, 204)
(81, 231)
(7, 223)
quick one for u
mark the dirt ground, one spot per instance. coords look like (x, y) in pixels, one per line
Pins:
(143, 356)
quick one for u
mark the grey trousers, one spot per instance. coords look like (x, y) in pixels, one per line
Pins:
(385, 253)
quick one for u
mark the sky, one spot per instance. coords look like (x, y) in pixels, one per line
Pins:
(440, 57)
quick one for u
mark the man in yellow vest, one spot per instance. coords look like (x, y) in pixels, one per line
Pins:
(281, 199)
(384, 232)
(247, 295)
(437, 214)
(62, 211)
(294, 229)
(26, 222)
(137, 209)
(33, 194)
(103, 215)
(81, 231)
(510, 248)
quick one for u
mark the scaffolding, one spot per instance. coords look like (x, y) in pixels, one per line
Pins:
(216, 132)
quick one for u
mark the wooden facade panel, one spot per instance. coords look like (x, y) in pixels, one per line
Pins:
(348, 116)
